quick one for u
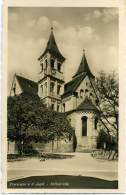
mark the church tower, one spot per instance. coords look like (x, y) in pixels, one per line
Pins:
(51, 79)
(84, 68)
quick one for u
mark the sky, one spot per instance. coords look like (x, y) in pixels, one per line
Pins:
(93, 29)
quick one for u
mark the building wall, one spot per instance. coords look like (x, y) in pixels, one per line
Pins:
(17, 87)
(84, 85)
(12, 147)
(55, 146)
(84, 142)
(72, 102)
(69, 103)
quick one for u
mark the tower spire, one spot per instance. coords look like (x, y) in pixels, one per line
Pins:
(52, 48)
(84, 67)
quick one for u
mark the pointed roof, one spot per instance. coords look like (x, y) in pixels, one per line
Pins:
(27, 86)
(84, 67)
(87, 105)
(52, 48)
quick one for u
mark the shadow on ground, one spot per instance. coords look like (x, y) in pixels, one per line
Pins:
(44, 156)
(56, 156)
(62, 182)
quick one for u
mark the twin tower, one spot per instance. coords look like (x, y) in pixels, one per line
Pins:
(51, 86)
(51, 82)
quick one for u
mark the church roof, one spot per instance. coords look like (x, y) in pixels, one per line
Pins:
(81, 73)
(52, 48)
(27, 86)
(84, 67)
(87, 105)
(71, 86)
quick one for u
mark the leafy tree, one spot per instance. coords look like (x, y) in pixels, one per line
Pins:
(29, 119)
(106, 93)
(104, 138)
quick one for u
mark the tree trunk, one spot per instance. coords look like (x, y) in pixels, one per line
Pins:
(22, 147)
(52, 145)
(57, 144)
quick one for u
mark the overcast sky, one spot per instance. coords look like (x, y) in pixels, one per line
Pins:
(75, 29)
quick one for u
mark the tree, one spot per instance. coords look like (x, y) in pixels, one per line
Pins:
(106, 93)
(29, 119)
(74, 142)
(106, 90)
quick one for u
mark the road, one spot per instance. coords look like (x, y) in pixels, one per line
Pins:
(79, 164)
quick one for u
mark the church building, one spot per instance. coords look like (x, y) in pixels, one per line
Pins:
(75, 98)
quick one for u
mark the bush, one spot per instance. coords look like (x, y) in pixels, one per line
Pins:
(13, 156)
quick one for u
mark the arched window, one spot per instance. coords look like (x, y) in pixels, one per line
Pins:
(46, 64)
(91, 94)
(52, 106)
(41, 90)
(84, 126)
(81, 93)
(86, 92)
(59, 67)
(95, 123)
(52, 63)
(41, 67)
(46, 88)
(64, 107)
(58, 107)
(58, 89)
(52, 87)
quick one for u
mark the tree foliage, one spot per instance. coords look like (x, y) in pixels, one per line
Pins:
(104, 138)
(106, 92)
(29, 119)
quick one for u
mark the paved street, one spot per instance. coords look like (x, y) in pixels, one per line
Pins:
(80, 164)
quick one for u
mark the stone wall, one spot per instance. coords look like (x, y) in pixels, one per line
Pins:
(12, 147)
(55, 146)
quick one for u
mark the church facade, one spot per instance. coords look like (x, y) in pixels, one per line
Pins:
(75, 97)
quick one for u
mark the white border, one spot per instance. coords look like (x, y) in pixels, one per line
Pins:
(122, 83)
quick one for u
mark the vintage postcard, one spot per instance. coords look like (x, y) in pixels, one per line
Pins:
(63, 100)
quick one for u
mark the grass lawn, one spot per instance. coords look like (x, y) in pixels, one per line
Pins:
(62, 182)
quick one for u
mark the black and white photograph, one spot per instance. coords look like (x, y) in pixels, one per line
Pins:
(63, 98)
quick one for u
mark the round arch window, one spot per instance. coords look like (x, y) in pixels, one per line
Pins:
(84, 125)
